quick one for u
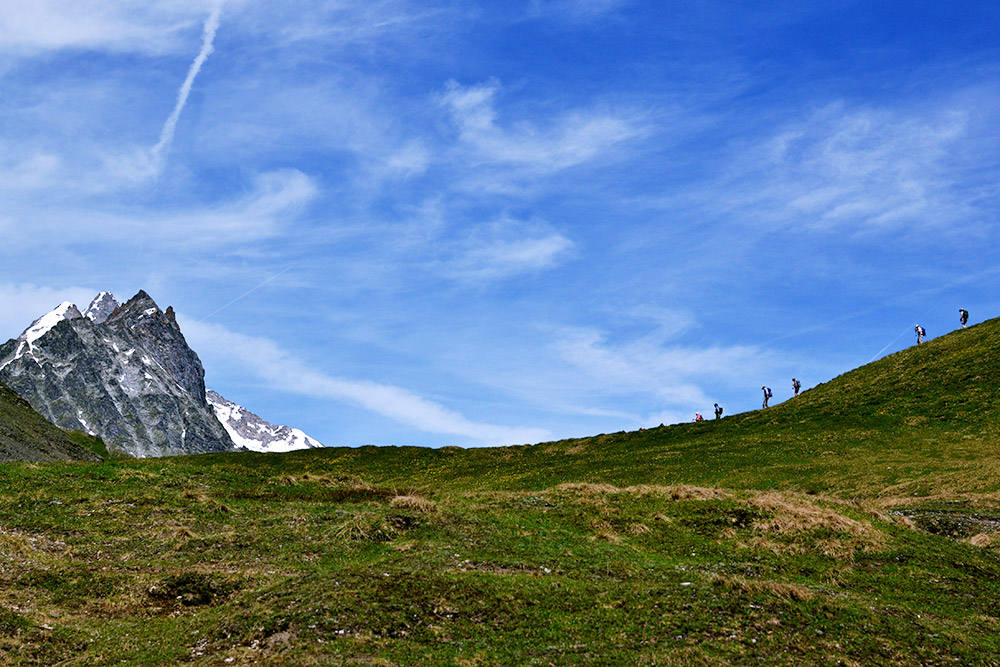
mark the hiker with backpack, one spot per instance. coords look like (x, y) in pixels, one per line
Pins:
(963, 316)
(919, 330)
(698, 417)
(718, 411)
(767, 394)
(796, 385)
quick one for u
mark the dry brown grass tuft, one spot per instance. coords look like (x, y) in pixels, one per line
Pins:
(200, 496)
(639, 529)
(365, 527)
(776, 588)
(604, 532)
(794, 514)
(982, 540)
(413, 502)
(685, 492)
(16, 547)
(585, 488)
(183, 532)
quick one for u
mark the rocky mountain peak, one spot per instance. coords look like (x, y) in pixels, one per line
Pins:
(136, 309)
(128, 377)
(101, 307)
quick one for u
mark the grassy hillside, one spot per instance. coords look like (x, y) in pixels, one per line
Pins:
(857, 524)
(25, 435)
(920, 422)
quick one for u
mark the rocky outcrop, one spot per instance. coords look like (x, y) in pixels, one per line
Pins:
(251, 432)
(122, 372)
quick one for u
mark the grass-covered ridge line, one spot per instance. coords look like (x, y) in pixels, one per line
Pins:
(856, 524)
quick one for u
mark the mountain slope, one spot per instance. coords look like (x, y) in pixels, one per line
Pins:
(858, 524)
(921, 421)
(25, 435)
(255, 434)
(128, 377)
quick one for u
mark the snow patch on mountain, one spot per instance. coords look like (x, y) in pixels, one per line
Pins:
(44, 324)
(251, 432)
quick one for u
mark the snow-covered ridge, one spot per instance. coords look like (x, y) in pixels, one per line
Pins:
(45, 323)
(251, 432)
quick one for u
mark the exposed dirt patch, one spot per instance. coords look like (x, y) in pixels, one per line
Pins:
(956, 524)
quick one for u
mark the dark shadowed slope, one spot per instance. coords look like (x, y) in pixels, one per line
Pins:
(27, 436)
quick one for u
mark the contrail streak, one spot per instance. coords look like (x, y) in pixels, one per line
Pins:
(245, 294)
(167, 133)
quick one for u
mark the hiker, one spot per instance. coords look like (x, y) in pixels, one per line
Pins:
(698, 417)
(767, 394)
(963, 316)
(718, 411)
(919, 330)
(796, 385)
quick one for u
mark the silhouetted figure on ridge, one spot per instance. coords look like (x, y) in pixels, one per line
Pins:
(767, 395)
(919, 330)
(796, 385)
(963, 316)
(718, 411)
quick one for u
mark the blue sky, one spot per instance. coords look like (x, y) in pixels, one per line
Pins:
(493, 223)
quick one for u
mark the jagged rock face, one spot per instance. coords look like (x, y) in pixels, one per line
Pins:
(101, 307)
(130, 379)
(251, 432)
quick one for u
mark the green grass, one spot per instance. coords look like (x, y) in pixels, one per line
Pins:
(857, 524)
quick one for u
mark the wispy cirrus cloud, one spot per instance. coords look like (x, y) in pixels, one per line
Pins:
(265, 359)
(32, 27)
(571, 138)
(506, 248)
(854, 168)
(672, 380)
(265, 210)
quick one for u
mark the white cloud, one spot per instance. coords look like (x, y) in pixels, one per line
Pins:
(265, 359)
(30, 173)
(665, 373)
(158, 152)
(29, 27)
(859, 168)
(567, 140)
(506, 248)
(266, 210)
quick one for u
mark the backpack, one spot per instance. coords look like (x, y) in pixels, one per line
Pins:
(769, 392)
(798, 385)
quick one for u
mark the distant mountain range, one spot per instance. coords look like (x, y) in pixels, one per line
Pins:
(124, 373)
(251, 432)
